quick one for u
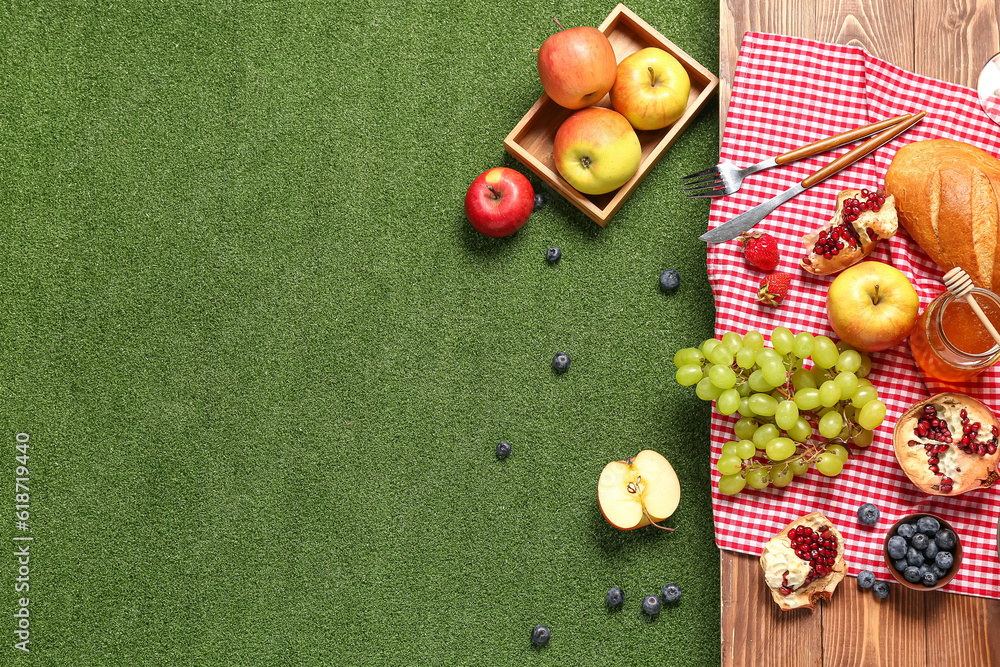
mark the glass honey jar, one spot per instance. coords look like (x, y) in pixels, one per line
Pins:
(949, 343)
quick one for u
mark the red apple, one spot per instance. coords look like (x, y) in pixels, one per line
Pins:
(499, 202)
(651, 89)
(872, 306)
(596, 150)
(577, 66)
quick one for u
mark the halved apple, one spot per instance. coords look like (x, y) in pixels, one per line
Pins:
(639, 491)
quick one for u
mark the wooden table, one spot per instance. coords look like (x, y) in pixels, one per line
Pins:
(945, 39)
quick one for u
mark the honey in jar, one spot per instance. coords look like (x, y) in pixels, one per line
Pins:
(949, 343)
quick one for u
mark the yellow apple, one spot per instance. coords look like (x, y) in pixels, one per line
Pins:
(638, 491)
(596, 150)
(872, 306)
(651, 89)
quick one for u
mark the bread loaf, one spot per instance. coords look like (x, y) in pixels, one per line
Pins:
(948, 199)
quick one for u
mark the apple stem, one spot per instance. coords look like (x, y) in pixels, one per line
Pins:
(558, 23)
(493, 192)
(669, 530)
(875, 300)
(652, 77)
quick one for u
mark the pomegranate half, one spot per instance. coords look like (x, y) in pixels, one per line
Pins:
(804, 562)
(861, 219)
(947, 444)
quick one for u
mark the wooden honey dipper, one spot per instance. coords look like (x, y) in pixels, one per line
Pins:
(960, 285)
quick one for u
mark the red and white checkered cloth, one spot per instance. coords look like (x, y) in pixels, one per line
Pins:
(788, 92)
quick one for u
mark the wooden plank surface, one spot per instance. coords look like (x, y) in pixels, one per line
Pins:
(945, 39)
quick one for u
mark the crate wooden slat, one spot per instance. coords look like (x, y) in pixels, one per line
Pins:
(530, 142)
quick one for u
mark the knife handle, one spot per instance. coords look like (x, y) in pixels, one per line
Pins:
(861, 151)
(823, 145)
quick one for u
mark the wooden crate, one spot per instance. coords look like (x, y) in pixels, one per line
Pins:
(531, 139)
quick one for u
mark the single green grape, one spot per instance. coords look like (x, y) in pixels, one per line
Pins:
(829, 464)
(708, 345)
(779, 449)
(764, 434)
(863, 395)
(745, 449)
(763, 404)
(863, 439)
(800, 430)
(799, 466)
(825, 353)
(753, 340)
(688, 355)
(745, 428)
(722, 377)
(871, 414)
(745, 358)
(759, 383)
(758, 478)
(765, 354)
(864, 382)
(786, 414)
(782, 475)
(781, 340)
(730, 485)
(866, 366)
(744, 408)
(729, 465)
(831, 424)
(707, 391)
(688, 375)
(774, 372)
(802, 346)
(849, 360)
(720, 355)
(728, 402)
(729, 449)
(820, 375)
(840, 451)
(807, 399)
(733, 341)
(847, 382)
(803, 379)
(829, 394)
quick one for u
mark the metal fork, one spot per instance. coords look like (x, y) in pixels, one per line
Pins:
(726, 178)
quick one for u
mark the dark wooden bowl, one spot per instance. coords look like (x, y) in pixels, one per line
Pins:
(956, 552)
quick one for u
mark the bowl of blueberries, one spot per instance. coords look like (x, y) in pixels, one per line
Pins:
(923, 552)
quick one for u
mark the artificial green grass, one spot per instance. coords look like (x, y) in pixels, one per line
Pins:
(264, 361)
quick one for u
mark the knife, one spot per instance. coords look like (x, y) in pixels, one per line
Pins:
(744, 221)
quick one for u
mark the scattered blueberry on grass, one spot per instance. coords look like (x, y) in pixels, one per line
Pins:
(503, 449)
(540, 201)
(670, 280)
(897, 547)
(540, 635)
(561, 362)
(615, 597)
(671, 593)
(866, 578)
(651, 604)
(881, 590)
(553, 254)
(868, 514)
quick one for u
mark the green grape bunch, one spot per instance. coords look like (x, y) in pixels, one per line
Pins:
(792, 416)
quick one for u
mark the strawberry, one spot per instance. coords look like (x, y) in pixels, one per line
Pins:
(761, 250)
(774, 288)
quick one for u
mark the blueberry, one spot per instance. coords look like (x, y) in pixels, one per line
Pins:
(900, 564)
(881, 590)
(651, 604)
(540, 201)
(919, 541)
(931, 550)
(944, 560)
(906, 530)
(939, 571)
(912, 574)
(866, 578)
(914, 557)
(945, 538)
(928, 525)
(670, 280)
(929, 579)
(560, 362)
(925, 568)
(553, 254)
(615, 597)
(868, 514)
(503, 449)
(896, 547)
(671, 593)
(540, 635)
